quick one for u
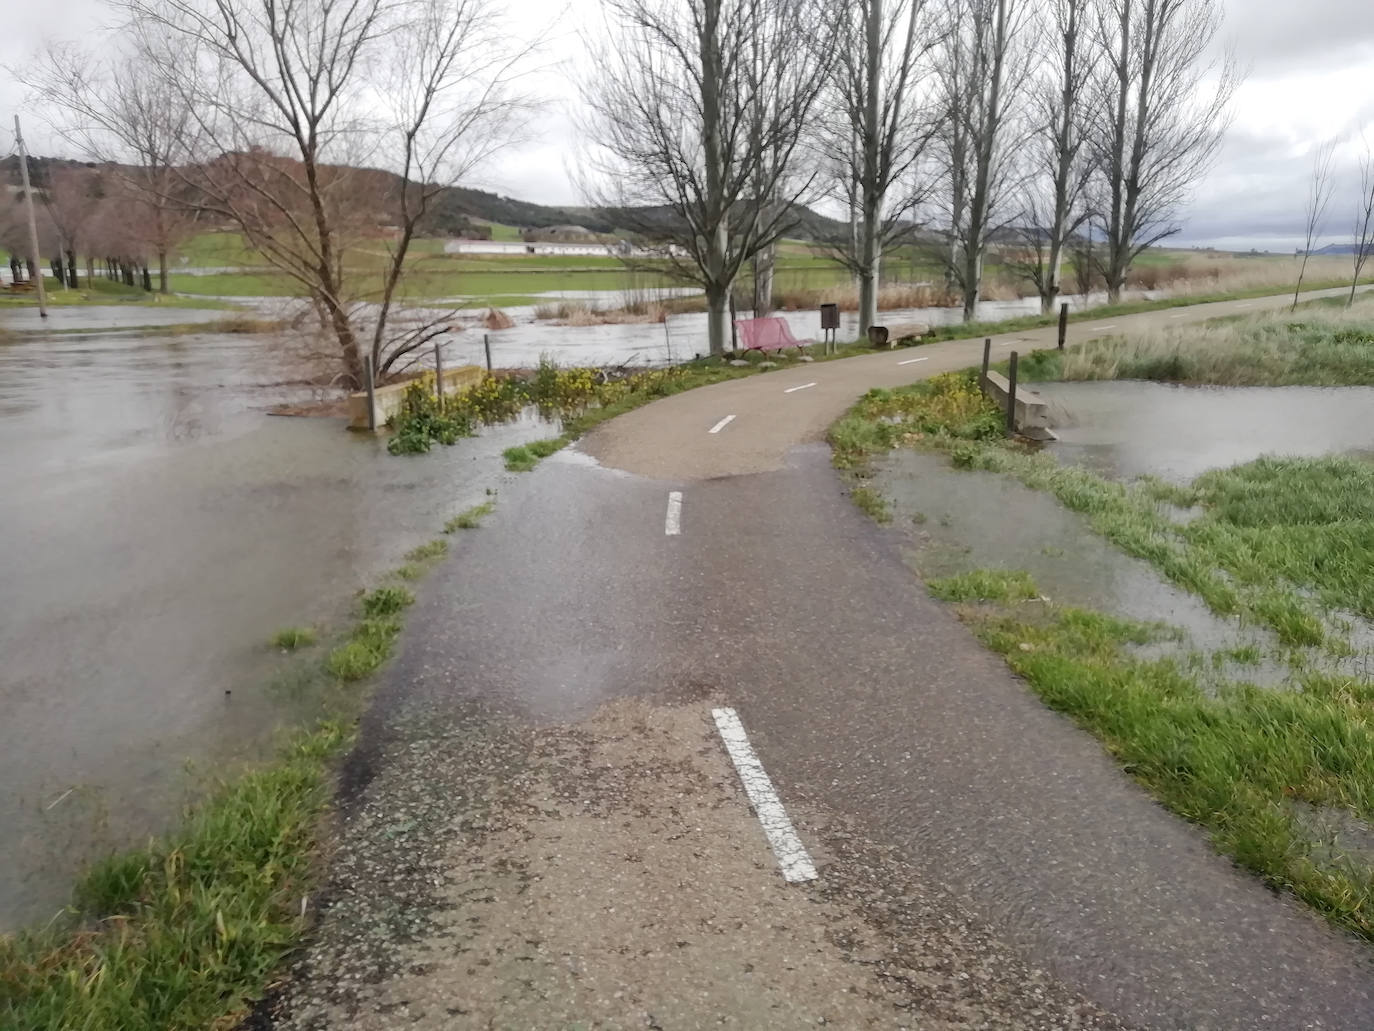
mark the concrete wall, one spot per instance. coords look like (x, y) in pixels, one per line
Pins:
(388, 398)
(1032, 411)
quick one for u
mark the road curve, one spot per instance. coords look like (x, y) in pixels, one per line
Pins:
(540, 829)
(874, 702)
(670, 440)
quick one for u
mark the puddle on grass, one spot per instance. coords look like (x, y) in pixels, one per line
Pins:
(1129, 428)
(960, 520)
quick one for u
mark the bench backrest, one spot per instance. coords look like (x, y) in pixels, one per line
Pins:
(765, 333)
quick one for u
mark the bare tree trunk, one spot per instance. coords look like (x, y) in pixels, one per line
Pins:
(765, 262)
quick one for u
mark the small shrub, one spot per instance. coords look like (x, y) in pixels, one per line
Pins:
(386, 601)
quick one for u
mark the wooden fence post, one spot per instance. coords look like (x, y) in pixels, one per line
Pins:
(1011, 396)
(1063, 324)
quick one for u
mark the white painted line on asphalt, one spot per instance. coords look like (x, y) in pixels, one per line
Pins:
(1098, 329)
(1247, 304)
(793, 390)
(777, 828)
(672, 525)
(722, 424)
(1178, 316)
(913, 361)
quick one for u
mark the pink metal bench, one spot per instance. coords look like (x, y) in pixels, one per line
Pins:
(771, 334)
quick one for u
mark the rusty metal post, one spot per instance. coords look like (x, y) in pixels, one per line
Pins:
(987, 358)
(371, 394)
(1063, 324)
(1011, 396)
(438, 376)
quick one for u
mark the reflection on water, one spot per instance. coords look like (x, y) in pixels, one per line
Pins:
(1129, 428)
(159, 527)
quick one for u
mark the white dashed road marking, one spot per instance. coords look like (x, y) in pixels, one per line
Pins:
(1098, 329)
(722, 424)
(1178, 316)
(672, 525)
(793, 390)
(782, 836)
(913, 361)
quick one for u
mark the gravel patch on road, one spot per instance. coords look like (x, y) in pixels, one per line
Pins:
(610, 874)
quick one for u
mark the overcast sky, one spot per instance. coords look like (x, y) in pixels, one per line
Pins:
(1311, 78)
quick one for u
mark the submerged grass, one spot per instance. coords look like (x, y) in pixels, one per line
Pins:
(470, 519)
(293, 637)
(1263, 574)
(1241, 761)
(182, 932)
(523, 458)
(1286, 543)
(186, 932)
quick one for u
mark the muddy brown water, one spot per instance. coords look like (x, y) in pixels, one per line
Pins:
(159, 527)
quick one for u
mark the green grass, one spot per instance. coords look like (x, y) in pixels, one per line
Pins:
(525, 457)
(105, 293)
(293, 637)
(1321, 344)
(871, 502)
(471, 518)
(1277, 540)
(1245, 763)
(985, 585)
(178, 934)
(436, 548)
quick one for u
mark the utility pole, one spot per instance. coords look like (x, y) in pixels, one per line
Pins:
(33, 225)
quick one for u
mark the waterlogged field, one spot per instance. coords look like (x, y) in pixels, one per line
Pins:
(1214, 629)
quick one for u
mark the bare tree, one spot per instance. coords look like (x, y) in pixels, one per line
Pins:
(1364, 221)
(118, 112)
(981, 60)
(697, 108)
(1054, 207)
(70, 197)
(1318, 198)
(1159, 120)
(288, 98)
(875, 132)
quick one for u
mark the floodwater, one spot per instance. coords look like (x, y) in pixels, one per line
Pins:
(1130, 428)
(681, 337)
(960, 520)
(28, 320)
(159, 527)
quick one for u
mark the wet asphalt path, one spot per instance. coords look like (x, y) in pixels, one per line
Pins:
(868, 703)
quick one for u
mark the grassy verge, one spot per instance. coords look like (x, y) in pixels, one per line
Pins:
(1280, 778)
(1213, 556)
(104, 292)
(573, 395)
(1321, 344)
(186, 932)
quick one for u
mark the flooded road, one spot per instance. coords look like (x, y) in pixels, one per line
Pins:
(159, 528)
(1131, 428)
